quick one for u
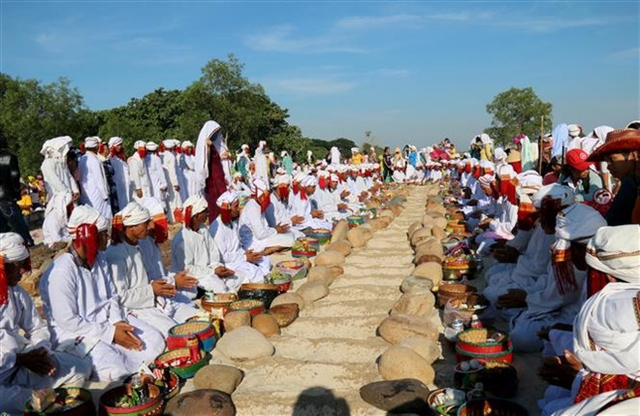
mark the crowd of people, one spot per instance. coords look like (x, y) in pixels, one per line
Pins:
(109, 301)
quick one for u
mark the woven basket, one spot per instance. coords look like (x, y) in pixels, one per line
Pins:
(186, 371)
(253, 306)
(447, 292)
(154, 406)
(323, 236)
(492, 407)
(285, 314)
(203, 330)
(259, 291)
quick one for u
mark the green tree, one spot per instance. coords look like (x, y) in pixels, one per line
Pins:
(31, 113)
(517, 111)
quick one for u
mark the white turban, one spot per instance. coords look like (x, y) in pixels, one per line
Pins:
(12, 247)
(139, 144)
(309, 180)
(485, 164)
(92, 142)
(228, 198)
(605, 332)
(151, 146)
(262, 144)
(153, 204)
(197, 203)
(84, 214)
(499, 154)
(334, 178)
(169, 143)
(486, 179)
(529, 182)
(187, 143)
(134, 214)
(260, 186)
(555, 191)
(56, 147)
(578, 222)
(298, 177)
(283, 180)
(616, 251)
(114, 141)
(244, 146)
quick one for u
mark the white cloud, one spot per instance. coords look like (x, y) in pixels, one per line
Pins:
(631, 53)
(285, 39)
(374, 22)
(391, 73)
(314, 86)
(549, 25)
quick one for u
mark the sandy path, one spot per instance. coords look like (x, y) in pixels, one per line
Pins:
(330, 351)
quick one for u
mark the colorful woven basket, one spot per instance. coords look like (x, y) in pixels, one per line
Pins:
(264, 292)
(253, 306)
(203, 330)
(185, 371)
(293, 268)
(322, 235)
(153, 406)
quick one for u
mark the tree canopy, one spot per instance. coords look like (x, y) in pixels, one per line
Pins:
(32, 112)
(517, 111)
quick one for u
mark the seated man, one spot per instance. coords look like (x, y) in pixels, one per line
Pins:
(329, 200)
(224, 231)
(279, 212)
(194, 250)
(26, 359)
(179, 307)
(556, 296)
(603, 353)
(81, 304)
(255, 233)
(304, 206)
(138, 293)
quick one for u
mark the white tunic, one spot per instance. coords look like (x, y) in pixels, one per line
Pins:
(140, 175)
(255, 233)
(94, 190)
(21, 330)
(134, 287)
(198, 254)
(79, 302)
(169, 165)
(260, 163)
(227, 239)
(156, 175)
(60, 187)
(303, 207)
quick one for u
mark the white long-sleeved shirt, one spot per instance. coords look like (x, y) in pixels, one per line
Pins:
(129, 276)
(253, 225)
(140, 175)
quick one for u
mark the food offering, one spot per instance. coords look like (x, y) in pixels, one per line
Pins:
(72, 401)
(322, 235)
(305, 247)
(459, 262)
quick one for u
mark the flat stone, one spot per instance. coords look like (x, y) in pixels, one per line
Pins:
(244, 343)
(416, 284)
(357, 237)
(395, 328)
(288, 297)
(320, 274)
(329, 258)
(266, 324)
(430, 270)
(218, 377)
(340, 231)
(397, 396)
(201, 402)
(430, 351)
(419, 304)
(312, 291)
(414, 227)
(285, 314)
(236, 319)
(401, 362)
(343, 247)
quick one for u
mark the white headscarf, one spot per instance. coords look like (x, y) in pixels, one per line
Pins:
(84, 214)
(12, 247)
(134, 214)
(197, 203)
(605, 333)
(555, 191)
(309, 180)
(187, 143)
(486, 179)
(57, 147)
(499, 154)
(486, 139)
(616, 251)
(151, 146)
(169, 143)
(578, 222)
(92, 142)
(140, 143)
(260, 186)
(153, 204)
(114, 141)
(228, 197)
(202, 152)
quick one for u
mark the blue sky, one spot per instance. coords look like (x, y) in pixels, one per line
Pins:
(407, 71)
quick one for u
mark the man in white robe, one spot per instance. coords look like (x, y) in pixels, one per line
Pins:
(62, 190)
(136, 291)
(179, 307)
(138, 170)
(81, 304)
(153, 164)
(255, 232)
(329, 201)
(304, 206)
(279, 211)
(260, 162)
(556, 297)
(94, 189)
(121, 177)
(169, 166)
(224, 230)
(27, 359)
(194, 250)
(186, 165)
